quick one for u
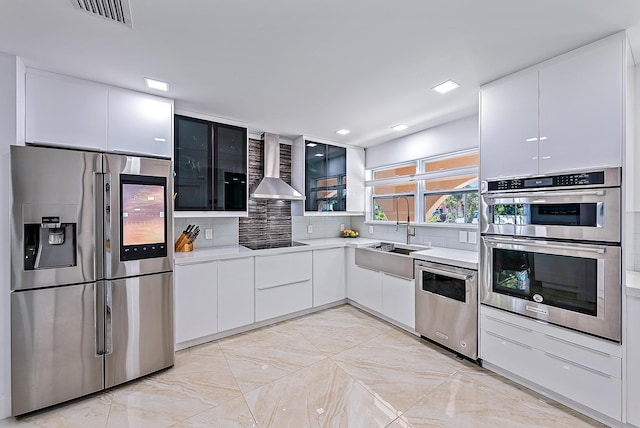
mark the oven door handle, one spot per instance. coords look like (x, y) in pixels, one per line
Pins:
(598, 250)
(542, 194)
(445, 272)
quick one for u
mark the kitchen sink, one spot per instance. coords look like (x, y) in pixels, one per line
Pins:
(391, 258)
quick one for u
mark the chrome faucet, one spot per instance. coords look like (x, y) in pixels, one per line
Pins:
(409, 232)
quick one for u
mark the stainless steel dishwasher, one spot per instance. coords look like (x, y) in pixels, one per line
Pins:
(447, 306)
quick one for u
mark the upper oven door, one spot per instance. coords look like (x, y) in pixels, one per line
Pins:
(572, 285)
(582, 214)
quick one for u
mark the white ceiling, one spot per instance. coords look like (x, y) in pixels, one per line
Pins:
(311, 67)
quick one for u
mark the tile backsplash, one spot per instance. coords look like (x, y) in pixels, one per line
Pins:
(447, 237)
(225, 230)
(321, 226)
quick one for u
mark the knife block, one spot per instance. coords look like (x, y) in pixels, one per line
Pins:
(183, 244)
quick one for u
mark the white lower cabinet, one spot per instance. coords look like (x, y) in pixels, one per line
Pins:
(399, 299)
(633, 360)
(283, 284)
(196, 294)
(578, 367)
(364, 285)
(235, 293)
(328, 276)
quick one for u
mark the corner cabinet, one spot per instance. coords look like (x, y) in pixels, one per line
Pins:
(328, 276)
(210, 164)
(330, 175)
(563, 114)
(78, 113)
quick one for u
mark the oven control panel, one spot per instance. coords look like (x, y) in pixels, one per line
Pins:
(564, 180)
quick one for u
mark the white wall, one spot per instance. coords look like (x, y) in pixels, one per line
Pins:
(453, 136)
(10, 68)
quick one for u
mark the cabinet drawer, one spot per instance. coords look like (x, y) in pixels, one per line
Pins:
(283, 269)
(509, 354)
(282, 300)
(582, 355)
(584, 385)
(584, 350)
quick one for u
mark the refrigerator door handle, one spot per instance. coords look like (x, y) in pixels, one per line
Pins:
(98, 221)
(99, 306)
(108, 329)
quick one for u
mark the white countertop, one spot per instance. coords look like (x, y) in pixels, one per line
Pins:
(450, 256)
(633, 283)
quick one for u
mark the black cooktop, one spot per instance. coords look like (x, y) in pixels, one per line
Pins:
(270, 245)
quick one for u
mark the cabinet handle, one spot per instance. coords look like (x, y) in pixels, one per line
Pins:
(497, 336)
(576, 345)
(580, 366)
(508, 323)
(282, 285)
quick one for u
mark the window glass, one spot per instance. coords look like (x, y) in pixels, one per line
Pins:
(459, 207)
(394, 208)
(460, 161)
(397, 171)
(468, 181)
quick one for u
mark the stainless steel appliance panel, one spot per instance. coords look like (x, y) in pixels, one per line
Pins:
(49, 183)
(606, 321)
(605, 203)
(114, 166)
(139, 327)
(53, 346)
(447, 306)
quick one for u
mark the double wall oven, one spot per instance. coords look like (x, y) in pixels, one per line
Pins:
(550, 249)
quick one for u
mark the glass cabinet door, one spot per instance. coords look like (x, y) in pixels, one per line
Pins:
(326, 177)
(192, 163)
(230, 168)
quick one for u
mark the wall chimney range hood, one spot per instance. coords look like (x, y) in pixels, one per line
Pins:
(272, 186)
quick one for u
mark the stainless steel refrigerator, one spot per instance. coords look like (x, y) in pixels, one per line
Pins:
(91, 276)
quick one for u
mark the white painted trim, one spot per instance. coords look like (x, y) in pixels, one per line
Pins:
(210, 118)
(193, 214)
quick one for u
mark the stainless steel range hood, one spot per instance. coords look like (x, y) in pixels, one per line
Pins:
(272, 186)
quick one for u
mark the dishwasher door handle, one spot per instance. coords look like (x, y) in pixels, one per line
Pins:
(444, 272)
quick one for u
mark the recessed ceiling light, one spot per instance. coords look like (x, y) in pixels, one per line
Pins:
(156, 84)
(342, 131)
(445, 87)
(400, 127)
(319, 154)
(311, 144)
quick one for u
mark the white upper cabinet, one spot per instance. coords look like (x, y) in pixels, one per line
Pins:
(564, 114)
(64, 111)
(140, 123)
(330, 175)
(581, 106)
(509, 126)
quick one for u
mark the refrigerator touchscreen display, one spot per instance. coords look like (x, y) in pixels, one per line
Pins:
(143, 221)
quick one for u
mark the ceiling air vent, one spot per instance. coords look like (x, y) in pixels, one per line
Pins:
(112, 10)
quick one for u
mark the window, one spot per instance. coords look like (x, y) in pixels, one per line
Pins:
(450, 189)
(394, 193)
(445, 187)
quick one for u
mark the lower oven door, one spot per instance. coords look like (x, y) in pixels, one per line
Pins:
(447, 306)
(572, 285)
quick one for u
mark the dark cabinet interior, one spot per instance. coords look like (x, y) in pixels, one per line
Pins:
(325, 177)
(210, 164)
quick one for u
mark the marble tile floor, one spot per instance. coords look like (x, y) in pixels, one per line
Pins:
(336, 368)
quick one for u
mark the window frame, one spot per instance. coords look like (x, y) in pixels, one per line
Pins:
(421, 192)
